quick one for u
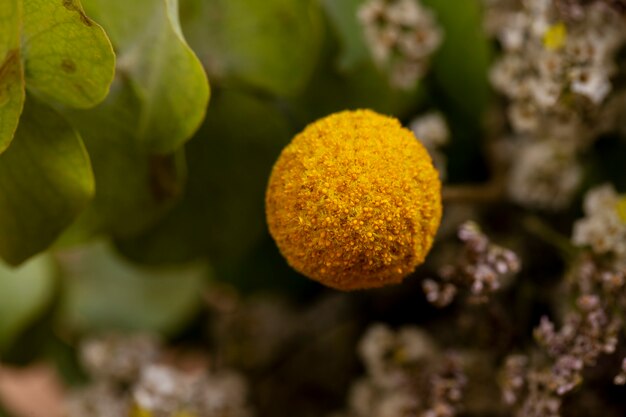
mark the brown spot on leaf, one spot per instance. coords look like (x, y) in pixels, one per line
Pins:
(73, 6)
(9, 74)
(68, 66)
(8, 66)
(163, 177)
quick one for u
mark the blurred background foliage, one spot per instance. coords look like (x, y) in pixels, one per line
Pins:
(117, 210)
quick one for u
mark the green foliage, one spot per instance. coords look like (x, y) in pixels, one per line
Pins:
(52, 49)
(461, 64)
(169, 78)
(56, 51)
(45, 181)
(11, 72)
(267, 44)
(151, 182)
(66, 61)
(24, 292)
(222, 212)
(67, 57)
(77, 164)
(343, 17)
(102, 291)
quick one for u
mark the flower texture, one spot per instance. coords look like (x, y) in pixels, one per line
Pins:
(354, 201)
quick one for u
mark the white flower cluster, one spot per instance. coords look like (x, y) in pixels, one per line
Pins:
(386, 392)
(556, 73)
(547, 62)
(401, 35)
(165, 392)
(604, 226)
(129, 380)
(432, 130)
(545, 174)
(406, 376)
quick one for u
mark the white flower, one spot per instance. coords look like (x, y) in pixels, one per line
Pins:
(524, 116)
(397, 404)
(401, 36)
(602, 228)
(592, 83)
(545, 175)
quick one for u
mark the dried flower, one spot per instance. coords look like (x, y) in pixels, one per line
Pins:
(164, 392)
(546, 175)
(603, 228)
(480, 268)
(589, 329)
(354, 201)
(558, 60)
(401, 35)
(118, 357)
(406, 376)
(137, 386)
(98, 400)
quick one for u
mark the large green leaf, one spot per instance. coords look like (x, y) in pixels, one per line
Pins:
(24, 292)
(343, 17)
(133, 188)
(462, 62)
(222, 213)
(68, 57)
(102, 291)
(11, 72)
(169, 77)
(267, 44)
(45, 181)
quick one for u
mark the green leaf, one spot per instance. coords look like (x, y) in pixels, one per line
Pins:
(11, 72)
(222, 213)
(45, 181)
(343, 17)
(461, 64)
(168, 76)
(67, 56)
(102, 291)
(267, 44)
(24, 292)
(133, 188)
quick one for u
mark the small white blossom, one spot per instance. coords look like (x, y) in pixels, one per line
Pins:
(401, 36)
(602, 228)
(592, 83)
(545, 175)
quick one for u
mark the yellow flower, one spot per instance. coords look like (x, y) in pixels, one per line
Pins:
(354, 201)
(555, 36)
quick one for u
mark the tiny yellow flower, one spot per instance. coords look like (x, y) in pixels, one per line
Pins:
(555, 36)
(354, 201)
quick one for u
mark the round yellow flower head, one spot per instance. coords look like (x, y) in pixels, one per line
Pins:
(354, 201)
